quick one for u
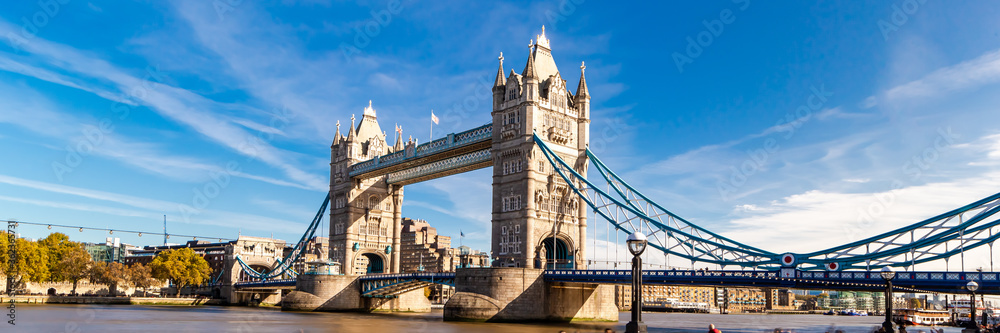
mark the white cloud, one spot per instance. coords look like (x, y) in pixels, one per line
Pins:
(966, 75)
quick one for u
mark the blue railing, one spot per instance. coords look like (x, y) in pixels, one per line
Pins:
(451, 141)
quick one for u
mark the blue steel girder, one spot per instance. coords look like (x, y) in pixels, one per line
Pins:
(284, 265)
(391, 285)
(939, 237)
(918, 282)
(452, 145)
(457, 164)
(665, 231)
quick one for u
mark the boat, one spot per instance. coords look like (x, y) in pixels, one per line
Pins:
(921, 317)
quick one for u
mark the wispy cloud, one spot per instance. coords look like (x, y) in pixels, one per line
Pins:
(966, 75)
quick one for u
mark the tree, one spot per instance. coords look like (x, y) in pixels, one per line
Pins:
(57, 245)
(4, 253)
(914, 303)
(110, 274)
(182, 266)
(32, 262)
(141, 276)
(74, 265)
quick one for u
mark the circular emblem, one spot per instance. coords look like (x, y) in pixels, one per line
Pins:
(356, 246)
(787, 260)
(388, 249)
(832, 266)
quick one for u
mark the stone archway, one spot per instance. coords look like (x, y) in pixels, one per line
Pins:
(369, 263)
(559, 255)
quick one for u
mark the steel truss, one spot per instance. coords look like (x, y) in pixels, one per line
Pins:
(285, 264)
(937, 238)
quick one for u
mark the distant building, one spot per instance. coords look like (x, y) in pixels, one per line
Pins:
(423, 250)
(695, 297)
(469, 258)
(112, 250)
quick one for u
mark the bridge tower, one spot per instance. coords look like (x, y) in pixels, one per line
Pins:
(365, 215)
(531, 203)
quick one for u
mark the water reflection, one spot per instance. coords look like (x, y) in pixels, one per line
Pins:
(105, 318)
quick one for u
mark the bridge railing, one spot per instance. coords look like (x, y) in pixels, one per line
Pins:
(450, 141)
(815, 275)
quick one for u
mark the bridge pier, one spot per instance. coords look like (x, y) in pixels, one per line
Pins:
(521, 294)
(343, 293)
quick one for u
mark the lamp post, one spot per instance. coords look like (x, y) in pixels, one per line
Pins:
(972, 286)
(887, 275)
(636, 244)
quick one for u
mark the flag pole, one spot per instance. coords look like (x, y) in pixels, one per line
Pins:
(432, 126)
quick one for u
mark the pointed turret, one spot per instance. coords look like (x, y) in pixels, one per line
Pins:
(337, 137)
(529, 68)
(399, 139)
(350, 132)
(581, 89)
(500, 81)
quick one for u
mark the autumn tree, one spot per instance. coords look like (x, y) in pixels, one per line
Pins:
(5, 253)
(141, 276)
(32, 262)
(182, 266)
(57, 245)
(111, 274)
(74, 265)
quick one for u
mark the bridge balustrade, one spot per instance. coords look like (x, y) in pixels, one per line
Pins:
(451, 141)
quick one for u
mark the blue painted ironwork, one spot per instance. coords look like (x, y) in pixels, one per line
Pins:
(451, 141)
(625, 215)
(920, 282)
(266, 284)
(391, 285)
(936, 238)
(457, 162)
(284, 265)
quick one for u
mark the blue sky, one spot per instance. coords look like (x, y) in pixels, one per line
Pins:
(787, 126)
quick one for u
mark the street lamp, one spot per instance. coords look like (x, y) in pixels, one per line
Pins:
(887, 275)
(636, 244)
(972, 286)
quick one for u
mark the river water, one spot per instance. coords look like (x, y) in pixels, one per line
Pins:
(147, 319)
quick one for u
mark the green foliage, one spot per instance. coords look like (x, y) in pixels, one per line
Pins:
(914, 303)
(823, 295)
(182, 266)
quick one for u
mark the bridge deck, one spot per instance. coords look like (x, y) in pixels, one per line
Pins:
(942, 282)
(455, 153)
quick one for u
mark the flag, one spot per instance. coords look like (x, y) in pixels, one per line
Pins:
(434, 118)
(399, 129)
(460, 233)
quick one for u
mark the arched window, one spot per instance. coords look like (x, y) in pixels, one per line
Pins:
(373, 202)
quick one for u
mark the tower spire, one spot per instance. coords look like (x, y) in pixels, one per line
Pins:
(581, 89)
(529, 69)
(350, 132)
(337, 137)
(500, 80)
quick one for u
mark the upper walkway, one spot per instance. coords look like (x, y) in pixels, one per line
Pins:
(454, 153)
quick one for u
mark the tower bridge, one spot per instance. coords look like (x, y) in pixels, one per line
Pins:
(537, 146)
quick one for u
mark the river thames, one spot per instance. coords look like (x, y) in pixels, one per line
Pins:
(110, 318)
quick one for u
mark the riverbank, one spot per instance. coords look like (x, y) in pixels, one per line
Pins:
(42, 299)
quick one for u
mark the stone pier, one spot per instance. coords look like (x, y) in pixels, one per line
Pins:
(521, 294)
(343, 293)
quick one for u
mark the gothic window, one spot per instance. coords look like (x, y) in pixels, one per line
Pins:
(363, 228)
(541, 166)
(517, 229)
(373, 202)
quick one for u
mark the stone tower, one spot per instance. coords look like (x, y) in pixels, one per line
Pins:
(365, 215)
(531, 203)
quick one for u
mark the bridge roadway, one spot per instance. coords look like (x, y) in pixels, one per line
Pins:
(388, 285)
(452, 154)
